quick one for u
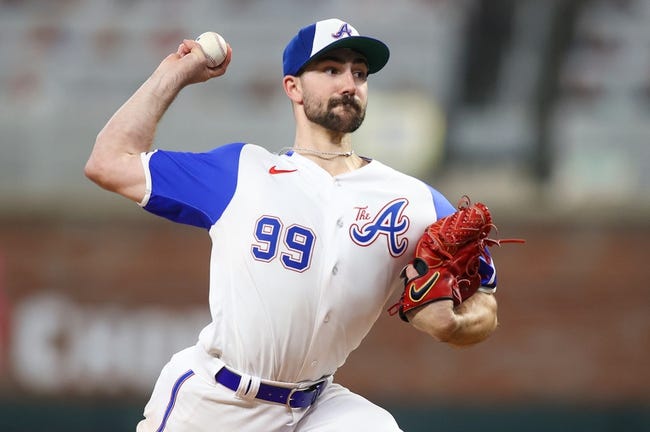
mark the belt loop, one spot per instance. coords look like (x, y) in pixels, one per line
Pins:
(254, 387)
(248, 387)
(244, 385)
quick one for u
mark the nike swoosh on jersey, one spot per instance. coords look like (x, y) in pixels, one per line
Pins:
(274, 170)
(417, 294)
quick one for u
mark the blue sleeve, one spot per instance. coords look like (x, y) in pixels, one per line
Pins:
(193, 188)
(441, 204)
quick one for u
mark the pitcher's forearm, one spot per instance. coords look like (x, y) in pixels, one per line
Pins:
(469, 323)
(131, 130)
(114, 163)
(477, 318)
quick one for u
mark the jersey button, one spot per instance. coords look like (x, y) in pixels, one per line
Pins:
(326, 318)
(335, 269)
(339, 223)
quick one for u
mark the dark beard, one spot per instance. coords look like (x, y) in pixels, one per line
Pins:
(348, 122)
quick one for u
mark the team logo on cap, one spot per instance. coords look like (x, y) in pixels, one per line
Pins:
(344, 29)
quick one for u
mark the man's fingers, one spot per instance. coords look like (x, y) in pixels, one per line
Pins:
(411, 272)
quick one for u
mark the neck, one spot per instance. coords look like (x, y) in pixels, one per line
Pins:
(331, 150)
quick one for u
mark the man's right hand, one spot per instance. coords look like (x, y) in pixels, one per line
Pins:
(190, 66)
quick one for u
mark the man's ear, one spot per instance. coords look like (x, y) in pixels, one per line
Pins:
(292, 87)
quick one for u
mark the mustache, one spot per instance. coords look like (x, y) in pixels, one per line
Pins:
(345, 100)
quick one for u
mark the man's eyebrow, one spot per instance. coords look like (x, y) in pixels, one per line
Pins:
(341, 60)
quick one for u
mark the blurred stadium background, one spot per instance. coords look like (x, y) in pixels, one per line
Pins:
(538, 108)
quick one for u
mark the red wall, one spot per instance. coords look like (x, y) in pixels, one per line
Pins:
(574, 308)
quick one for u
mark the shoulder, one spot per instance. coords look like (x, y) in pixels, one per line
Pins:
(389, 174)
(224, 156)
(246, 150)
(408, 182)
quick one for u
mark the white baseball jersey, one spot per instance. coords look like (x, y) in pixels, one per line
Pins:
(302, 263)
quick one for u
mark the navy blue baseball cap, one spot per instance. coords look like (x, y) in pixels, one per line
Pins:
(323, 36)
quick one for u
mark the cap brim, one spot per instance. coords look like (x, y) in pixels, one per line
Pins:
(375, 51)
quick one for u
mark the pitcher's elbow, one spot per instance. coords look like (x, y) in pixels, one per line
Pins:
(101, 171)
(94, 171)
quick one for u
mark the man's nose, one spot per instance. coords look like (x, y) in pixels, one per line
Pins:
(348, 83)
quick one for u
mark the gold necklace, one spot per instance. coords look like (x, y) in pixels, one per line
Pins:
(320, 153)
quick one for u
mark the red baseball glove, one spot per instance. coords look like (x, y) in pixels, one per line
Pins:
(447, 258)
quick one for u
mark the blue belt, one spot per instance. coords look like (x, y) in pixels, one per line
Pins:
(292, 397)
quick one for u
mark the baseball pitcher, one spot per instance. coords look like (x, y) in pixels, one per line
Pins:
(309, 246)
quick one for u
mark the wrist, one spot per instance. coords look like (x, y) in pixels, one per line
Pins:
(164, 85)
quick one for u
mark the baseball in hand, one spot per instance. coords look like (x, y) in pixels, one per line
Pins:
(214, 47)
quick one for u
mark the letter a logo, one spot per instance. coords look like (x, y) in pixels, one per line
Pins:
(344, 29)
(390, 223)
